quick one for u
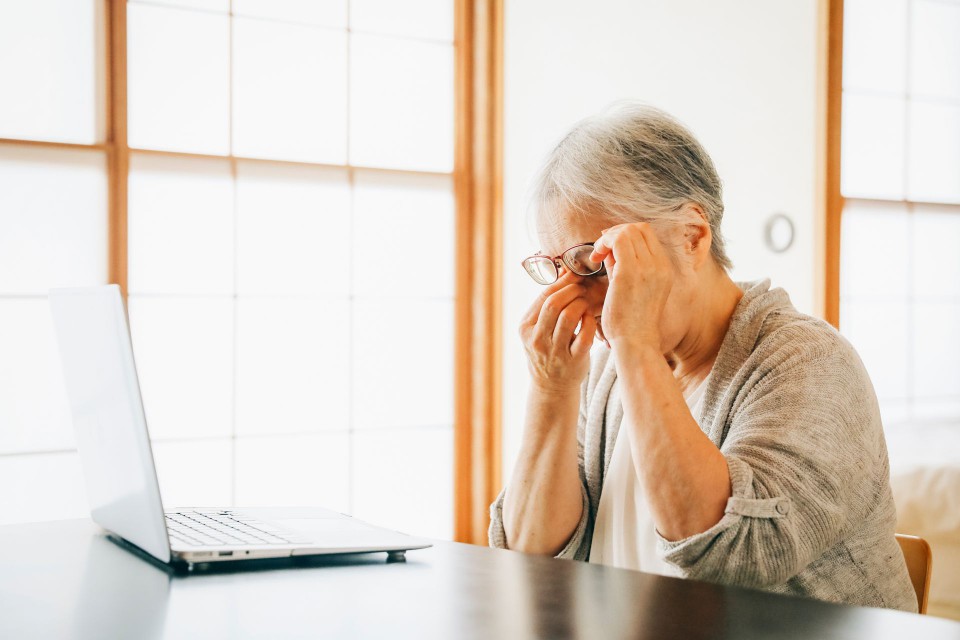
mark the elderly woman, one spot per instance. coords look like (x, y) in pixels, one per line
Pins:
(717, 433)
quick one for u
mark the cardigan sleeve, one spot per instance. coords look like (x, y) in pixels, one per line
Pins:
(578, 546)
(802, 451)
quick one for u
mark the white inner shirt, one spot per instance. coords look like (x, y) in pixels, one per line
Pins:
(624, 535)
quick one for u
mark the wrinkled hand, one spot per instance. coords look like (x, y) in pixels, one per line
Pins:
(558, 358)
(641, 277)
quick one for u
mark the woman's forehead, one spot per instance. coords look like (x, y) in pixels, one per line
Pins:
(567, 233)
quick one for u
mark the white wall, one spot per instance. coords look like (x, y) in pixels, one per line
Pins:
(740, 73)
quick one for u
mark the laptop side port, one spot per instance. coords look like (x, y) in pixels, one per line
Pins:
(225, 553)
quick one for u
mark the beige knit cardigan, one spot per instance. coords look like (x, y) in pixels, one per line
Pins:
(792, 409)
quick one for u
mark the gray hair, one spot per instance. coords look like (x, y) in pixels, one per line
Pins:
(633, 163)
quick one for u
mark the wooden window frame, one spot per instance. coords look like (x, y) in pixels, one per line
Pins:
(114, 42)
(833, 203)
(477, 179)
(118, 151)
(829, 200)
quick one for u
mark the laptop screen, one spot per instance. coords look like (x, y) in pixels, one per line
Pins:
(111, 430)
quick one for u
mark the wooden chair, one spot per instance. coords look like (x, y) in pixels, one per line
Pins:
(919, 559)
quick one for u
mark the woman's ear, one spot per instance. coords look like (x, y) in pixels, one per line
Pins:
(697, 235)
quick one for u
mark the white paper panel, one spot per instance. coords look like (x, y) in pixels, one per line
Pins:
(935, 49)
(936, 258)
(403, 480)
(328, 13)
(403, 363)
(895, 413)
(874, 256)
(49, 70)
(879, 332)
(34, 411)
(195, 474)
(412, 18)
(222, 6)
(178, 79)
(934, 152)
(293, 364)
(936, 410)
(56, 488)
(293, 230)
(872, 163)
(936, 350)
(184, 353)
(294, 471)
(53, 219)
(180, 225)
(401, 104)
(875, 44)
(290, 91)
(404, 234)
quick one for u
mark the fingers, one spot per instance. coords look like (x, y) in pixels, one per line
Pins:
(605, 255)
(633, 241)
(651, 241)
(584, 340)
(567, 278)
(620, 242)
(568, 321)
(554, 305)
(603, 247)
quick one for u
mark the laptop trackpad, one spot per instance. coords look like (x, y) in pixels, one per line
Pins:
(315, 526)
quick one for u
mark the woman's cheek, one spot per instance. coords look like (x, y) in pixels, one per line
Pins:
(596, 293)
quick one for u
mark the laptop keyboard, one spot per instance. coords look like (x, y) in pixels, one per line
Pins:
(222, 528)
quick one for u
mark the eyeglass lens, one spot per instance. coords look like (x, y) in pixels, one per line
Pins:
(541, 269)
(577, 259)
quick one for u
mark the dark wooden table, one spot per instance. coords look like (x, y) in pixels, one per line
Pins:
(66, 580)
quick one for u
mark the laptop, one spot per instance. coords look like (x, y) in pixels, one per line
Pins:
(118, 465)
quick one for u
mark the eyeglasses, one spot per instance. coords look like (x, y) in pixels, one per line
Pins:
(546, 270)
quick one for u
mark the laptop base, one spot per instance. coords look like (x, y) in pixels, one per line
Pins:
(182, 568)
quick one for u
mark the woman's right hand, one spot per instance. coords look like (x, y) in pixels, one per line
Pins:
(558, 358)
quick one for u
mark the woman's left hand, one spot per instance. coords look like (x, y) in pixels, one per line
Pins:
(641, 277)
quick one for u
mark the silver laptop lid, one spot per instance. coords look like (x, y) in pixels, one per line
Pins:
(108, 418)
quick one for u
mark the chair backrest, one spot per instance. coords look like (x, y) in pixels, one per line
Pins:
(919, 559)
